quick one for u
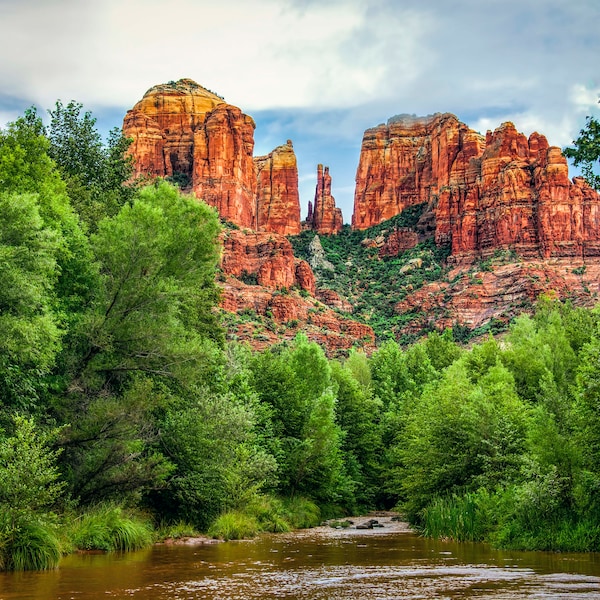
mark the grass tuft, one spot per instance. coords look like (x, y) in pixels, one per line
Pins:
(109, 528)
(234, 525)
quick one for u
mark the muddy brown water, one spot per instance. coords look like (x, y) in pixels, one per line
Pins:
(322, 563)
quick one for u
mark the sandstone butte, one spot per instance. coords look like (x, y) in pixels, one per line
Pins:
(503, 195)
(182, 130)
(501, 191)
(323, 217)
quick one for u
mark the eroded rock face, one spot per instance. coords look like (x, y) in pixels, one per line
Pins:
(323, 216)
(162, 125)
(278, 201)
(411, 160)
(266, 258)
(184, 131)
(292, 313)
(223, 173)
(473, 298)
(502, 192)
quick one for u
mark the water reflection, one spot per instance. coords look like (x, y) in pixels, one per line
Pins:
(315, 565)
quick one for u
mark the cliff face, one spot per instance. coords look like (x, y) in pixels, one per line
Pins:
(266, 258)
(162, 126)
(261, 275)
(504, 191)
(323, 216)
(184, 131)
(278, 201)
(409, 161)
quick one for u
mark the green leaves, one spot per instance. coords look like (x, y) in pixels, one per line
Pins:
(28, 473)
(154, 308)
(587, 151)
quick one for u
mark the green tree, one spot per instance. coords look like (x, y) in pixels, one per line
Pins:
(150, 335)
(358, 415)
(466, 432)
(48, 270)
(296, 383)
(98, 175)
(587, 151)
(154, 311)
(29, 477)
(212, 442)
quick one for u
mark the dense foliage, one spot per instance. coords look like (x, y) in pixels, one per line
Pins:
(119, 397)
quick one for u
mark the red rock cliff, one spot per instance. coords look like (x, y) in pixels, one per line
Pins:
(323, 216)
(278, 202)
(504, 191)
(183, 130)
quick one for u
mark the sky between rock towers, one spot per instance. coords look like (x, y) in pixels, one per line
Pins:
(317, 72)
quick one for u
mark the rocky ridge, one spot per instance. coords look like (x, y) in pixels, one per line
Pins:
(500, 191)
(476, 196)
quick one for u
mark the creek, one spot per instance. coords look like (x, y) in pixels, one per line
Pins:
(322, 563)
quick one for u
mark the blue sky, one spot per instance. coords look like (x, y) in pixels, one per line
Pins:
(316, 72)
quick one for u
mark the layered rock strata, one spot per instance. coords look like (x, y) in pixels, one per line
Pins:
(184, 131)
(278, 201)
(498, 192)
(323, 216)
(266, 259)
(261, 274)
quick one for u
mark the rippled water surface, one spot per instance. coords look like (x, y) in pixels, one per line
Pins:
(377, 564)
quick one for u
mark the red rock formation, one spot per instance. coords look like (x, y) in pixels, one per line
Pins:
(223, 174)
(502, 292)
(278, 207)
(266, 257)
(180, 129)
(411, 160)
(398, 241)
(291, 313)
(324, 217)
(503, 192)
(162, 126)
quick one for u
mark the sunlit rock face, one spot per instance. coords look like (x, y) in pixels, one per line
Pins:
(278, 201)
(184, 131)
(323, 216)
(501, 191)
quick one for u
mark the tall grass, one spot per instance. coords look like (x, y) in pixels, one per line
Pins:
(234, 525)
(469, 517)
(28, 545)
(110, 528)
(270, 514)
(301, 513)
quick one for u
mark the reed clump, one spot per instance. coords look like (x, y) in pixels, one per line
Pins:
(110, 528)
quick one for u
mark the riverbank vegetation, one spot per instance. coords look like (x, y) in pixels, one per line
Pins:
(125, 415)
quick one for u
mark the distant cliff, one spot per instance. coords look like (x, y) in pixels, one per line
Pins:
(501, 191)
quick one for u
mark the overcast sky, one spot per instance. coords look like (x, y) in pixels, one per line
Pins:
(317, 72)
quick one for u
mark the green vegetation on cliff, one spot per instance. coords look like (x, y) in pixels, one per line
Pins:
(373, 284)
